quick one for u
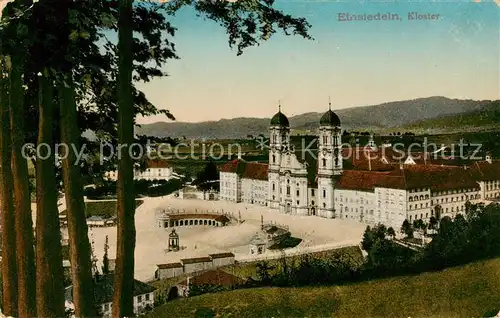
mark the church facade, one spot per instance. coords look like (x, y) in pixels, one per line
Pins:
(315, 177)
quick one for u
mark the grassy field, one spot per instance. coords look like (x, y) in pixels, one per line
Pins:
(467, 291)
(246, 270)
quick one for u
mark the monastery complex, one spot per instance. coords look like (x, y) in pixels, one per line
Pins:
(371, 185)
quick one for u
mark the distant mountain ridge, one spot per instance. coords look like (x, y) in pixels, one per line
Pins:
(386, 115)
(486, 118)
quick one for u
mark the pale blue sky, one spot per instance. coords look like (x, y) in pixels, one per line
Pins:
(356, 63)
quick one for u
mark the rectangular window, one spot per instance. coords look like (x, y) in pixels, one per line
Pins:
(312, 192)
(298, 193)
(139, 298)
(324, 193)
(147, 296)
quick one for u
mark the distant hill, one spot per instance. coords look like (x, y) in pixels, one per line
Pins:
(387, 115)
(488, 117)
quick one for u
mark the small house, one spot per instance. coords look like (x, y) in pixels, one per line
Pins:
(144, 295)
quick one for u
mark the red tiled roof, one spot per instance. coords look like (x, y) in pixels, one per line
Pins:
(248, 170)
(221, 255)
(196, 260)
(410, 177)
(214, 277)
(255, 170)
(368, 180)
(169, 265)
(484, 171)
(234, 166)
(157, 164)
(439, 178)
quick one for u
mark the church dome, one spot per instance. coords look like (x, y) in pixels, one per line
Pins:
(329, 119)
(280, 120)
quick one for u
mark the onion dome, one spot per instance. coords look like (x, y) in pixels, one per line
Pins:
(280, 119)
(329, 119)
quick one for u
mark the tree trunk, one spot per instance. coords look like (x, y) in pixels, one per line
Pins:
(49, 268)
(9, 264)
(22, 202)
(79, 245)
(124, 271)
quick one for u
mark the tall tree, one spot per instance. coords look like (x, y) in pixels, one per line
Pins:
(9, 264)
(247, 22)
(49, 268)
(22, 200)
(79, 245)
(125, 247)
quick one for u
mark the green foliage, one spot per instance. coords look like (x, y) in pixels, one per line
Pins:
(105, 259)
(105, 209)
(204, 312)
(204, 179)
(263, 272)
(199, 289)
(368, 239)
(407, 229)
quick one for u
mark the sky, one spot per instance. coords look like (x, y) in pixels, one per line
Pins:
(351, 63)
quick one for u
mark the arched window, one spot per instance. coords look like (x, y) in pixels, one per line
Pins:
(324, 193)
(274, 186)
(421, 197)
(274, 158)
(324, 162)
(411, 199)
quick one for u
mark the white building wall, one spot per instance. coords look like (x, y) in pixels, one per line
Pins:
(452, 202)
(274, 187)
(149, 174)
(355, 205)
(325, 198)
(254, 191)
(390, 207)
(218, 262)
(141, 301)
(196, 267)
(490, 190)
(230, 187)
(170, 272)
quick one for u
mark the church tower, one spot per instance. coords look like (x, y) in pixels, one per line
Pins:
(279, 142)
(329, 161)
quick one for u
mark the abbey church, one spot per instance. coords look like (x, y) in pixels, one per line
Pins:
(316, 175)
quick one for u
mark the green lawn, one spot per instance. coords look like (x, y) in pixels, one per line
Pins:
(467, 291)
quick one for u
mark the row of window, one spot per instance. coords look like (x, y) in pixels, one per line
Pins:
(416, 198)
(456, 199)
(442, 193)
(490, 187)
(492, 196)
